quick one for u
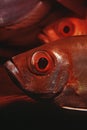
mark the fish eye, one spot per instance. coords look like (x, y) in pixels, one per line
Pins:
(41, 62)
(65, 29)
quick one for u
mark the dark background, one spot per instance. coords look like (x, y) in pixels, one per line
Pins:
(40, 116)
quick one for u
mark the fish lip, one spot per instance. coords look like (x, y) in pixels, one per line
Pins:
(13, 72)
(11, 68)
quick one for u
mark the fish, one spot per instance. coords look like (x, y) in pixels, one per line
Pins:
(55, 72)
(63, 27)
(24, 12)
(18, 19)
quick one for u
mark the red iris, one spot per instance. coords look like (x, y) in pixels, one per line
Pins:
(65, 28)
(41, 62)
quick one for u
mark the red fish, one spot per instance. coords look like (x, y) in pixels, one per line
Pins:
(63, 27)
(56, 72)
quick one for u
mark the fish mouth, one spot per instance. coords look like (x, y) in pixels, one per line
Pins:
(16, 76)
(13, 72)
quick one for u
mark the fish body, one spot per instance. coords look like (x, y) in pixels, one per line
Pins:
(56, 71)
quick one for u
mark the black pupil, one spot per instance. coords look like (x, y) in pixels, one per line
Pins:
(66, 29)
(42, 63)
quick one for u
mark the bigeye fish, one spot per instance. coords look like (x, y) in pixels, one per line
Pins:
(56, 72)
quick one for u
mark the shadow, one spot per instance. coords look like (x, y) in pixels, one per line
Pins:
(41, 115)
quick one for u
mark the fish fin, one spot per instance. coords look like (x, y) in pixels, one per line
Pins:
(74, 109)
(71, 100)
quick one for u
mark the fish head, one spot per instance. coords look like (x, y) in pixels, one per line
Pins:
(42, 73)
